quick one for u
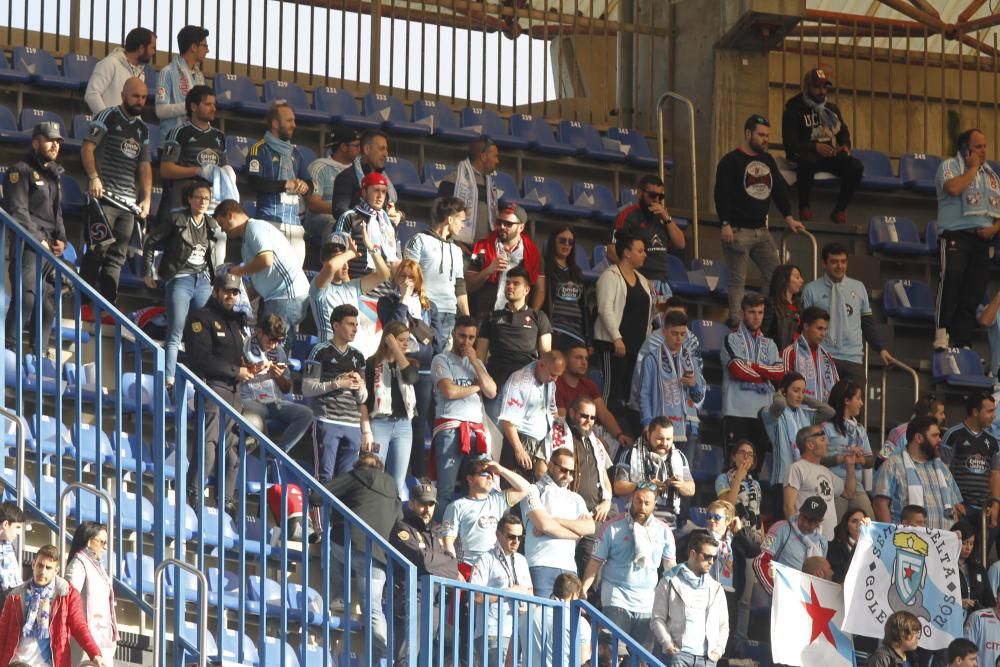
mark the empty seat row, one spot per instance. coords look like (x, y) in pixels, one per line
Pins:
(899, 236)
(917, 171)
(38, 66)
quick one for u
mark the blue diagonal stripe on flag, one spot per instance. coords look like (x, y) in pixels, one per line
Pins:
(806, 618)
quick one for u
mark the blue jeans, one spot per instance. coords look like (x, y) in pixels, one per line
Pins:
(447, 464)
(291, 311)
(543, 579)
(180, 293)
(682, 659)
(393, 438)
(294, 418)
(373, 588)
(447, 322)
(339, 446)
(631, 623)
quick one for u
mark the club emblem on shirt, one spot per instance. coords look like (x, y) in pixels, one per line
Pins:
(13, 177)
(514, 402)
(909, 575)
(403, 536)
(757, 180)
(208, 156)
(130, 148)
(824, 489)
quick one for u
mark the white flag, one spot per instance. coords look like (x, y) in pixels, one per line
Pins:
(806, 616)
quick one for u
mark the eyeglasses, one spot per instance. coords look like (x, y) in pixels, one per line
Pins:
(513, 538)
(276, 339)
(660, 196)
(196, 198)
(565, 241)
(716, 517)
(707, 557)
(102, 542)
(585, 417)
(508, 223)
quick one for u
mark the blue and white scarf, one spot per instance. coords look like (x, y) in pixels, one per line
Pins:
(819, 381)
(37, 608)
(915, 488)
(10, 568)
(381, 233)
(467, 190)
(391, 195)
(982, 197)
(751, 348)
(286, 168)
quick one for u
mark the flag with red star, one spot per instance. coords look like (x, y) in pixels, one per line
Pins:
(806, 616)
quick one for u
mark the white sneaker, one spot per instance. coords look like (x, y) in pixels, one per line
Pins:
(940, 339)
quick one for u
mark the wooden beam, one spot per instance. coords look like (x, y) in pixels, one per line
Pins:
(925, 6)
(967, 13)
(980, 23)
(858, 19)
(917, 15)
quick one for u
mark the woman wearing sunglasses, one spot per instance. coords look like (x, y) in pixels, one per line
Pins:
(737, 548)
(566, 301)
(85, 571)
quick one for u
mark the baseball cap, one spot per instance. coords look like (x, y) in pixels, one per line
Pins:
(374, 178)
(48, 129)
(425, 492)
(227, 281)
(517, 211)
(814, 508)
(341, 134)
(340, 238)
(818, 75)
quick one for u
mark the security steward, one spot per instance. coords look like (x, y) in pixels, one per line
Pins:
(32, 196)
(418, 538)
(213, 344)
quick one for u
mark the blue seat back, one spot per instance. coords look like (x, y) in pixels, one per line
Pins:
(876, 163)
(592, 195)
(73, 198)
(545, 189)
(628, 196)
(32, 117)
(7, 120)
(711, 336)
(444, 117)
(78, 67)
(237, 149)
(532, 128)
(506, 186)
(487, 121)
(581, 136)
(308, 154)
(918, 167)
(335, 101)
(910, 294)
(401, 171)
(81, 125)
(638, 145)
(385, 107)
(37, 62)
(715, 271)
(231, 89)
(154, 140)
(887, 230)
(286, 90)
(931, 237)
(435, 172)
(965, 362)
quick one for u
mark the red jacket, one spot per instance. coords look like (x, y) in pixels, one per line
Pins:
(67, 618)
(487, 249)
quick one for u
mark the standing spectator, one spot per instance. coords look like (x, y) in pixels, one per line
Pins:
(591, 481)
(649, 220)
(630, 550)
(574, 384)
(271, 263)
(783, 305)
(180, 76)
(808, 478)
(738, 486)
(110, 74)
(917, 476)
(840, 551)
(343, 146)
(527, 411)
(552, 553)
(847, 436)
(747, 180)
(973, 457)
(537, 632)
(347, 184)
(988, 316)
(816, 138)
(263, 395)
(333, 285)
(389, 379)
(472, 184)
(508, 247)
(899, 645)
(690, 620)
(334, 377)
(459, 378)
(373, 216)
(41, 614)
(976, 593)
(624, 319)
(279, 175)
(748, 539)
(192, 243)
(751, 363)
(928, 406)
(851, 321)
(116, 159)
(733, 567)
(11, 573)
(32, 196)
(791, 542)
(85, 571)
(566, 302)
(440, 260)
(807, 356)
(968, 192)
(981, 629)
(654, 462)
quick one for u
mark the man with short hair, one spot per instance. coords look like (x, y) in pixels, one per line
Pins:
(982, 629)
(110, 74)
(527, 412)
(690, 621)
(279, 175)
(347, 184)
(508, 247)
(819, 567)
(334, 377)
(807, 356)
(851, 321)
(32, 196)
(342, 146)
(792, 542)
(592, 481)
(929, 406)
(973, 457)
(747, 180)
(116, 159)
(913, 515)
(537, 632)
(472, 183)
(333, 285)
(11, 572)
(575, 384)
(962, 653)
(372, 215)
(177, 79)
(808, 478)
(191, 149)
(654, 461)
(917, 476)
(816, 138)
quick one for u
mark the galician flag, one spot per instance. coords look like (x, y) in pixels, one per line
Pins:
(806, 614)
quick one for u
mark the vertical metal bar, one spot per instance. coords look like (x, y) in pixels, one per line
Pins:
(409, 25)
(392, 41)
(979, 92)
(531, 63)
(926, 144)
(854, 79)
(944, 100)
(996, 96)
(376, 42)
(358, 36)
(454, 52)
(907, 106)
(295, 53)
(468, 57)
(871, 87)
(343, 39)
(264, 45)
(961, 83)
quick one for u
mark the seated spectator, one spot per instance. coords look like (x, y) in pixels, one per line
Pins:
(899, 645)
(263, 395)
(981, 629)
(973, 457)
(790, 412)
(928, 406)
(528, 409)
(976, 590)
(182, 74)
(792, 541)
(41, 614)
(333, 285)
(472, 184)
(654, 462)
(737, 485)
(537, 631)
(566, 301)
(376, 217)
(85, 571)
(347, 184)
(845, 539)
(342, 146)
(807, 356)
(732, 567)
(507, 248)
(847, 436)
(783, 305)
(808, 478)
(575, 383)
(104, 89)
(11, 572)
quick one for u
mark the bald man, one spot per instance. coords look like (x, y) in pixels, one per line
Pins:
(527, 412)
(817, 566)
(116, 159)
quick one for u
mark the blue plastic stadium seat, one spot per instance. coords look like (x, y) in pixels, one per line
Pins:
(40, 64)
(959, 368)
(489, 123)
(78, 67)
(227, 594)
(698, 516)
(908, 300)
(131, 574)
(931, 238)
(390, 111)
(230, 644)
(314, 657)
(435, 172)
(155, 197)
(342, 107)
(31, 117)
(9, 74)
(712, 407)
(550, 194)
(73, 199)
(208, 532)
(271, 651)
(639, 152)
(628, 196)
(51, 437)
(599, 199)
(711, 336)
(587, 141)
(404, 177)
(233, 91)
(705, 460)
(599, 260)
(92, 444)
(895, 236)
(716, 274)
(296, 97)
(508, 193)
(878, 171)
(442, 121)
(237, 148)
(538, 134)
(917, 171)
(189, 631)
(407, 229)
(81, 125)
(686, 283)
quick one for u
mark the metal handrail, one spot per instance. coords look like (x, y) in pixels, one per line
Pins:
(885, 375)
(671, 95)
(106, 497)
(984, 545)
(158, 597)
(20, 432)
(815, 249)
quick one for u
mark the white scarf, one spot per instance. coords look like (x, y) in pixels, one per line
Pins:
(982, 197)
(383, 392)
(381, 233)
(643, 556)
(915, 489)
(467, 190)
(838, 314)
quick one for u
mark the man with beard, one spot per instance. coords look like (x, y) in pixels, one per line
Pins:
(115, 150)
(181, 76)
(110, 74)
(191, 150)
(549, 552)
(591, 481)
(472, 183)
(747, 180)
(506, 248)
(527, 412)
(574, 384)
(628, 555)
(917, 476)
(347, 185)
(33, 197)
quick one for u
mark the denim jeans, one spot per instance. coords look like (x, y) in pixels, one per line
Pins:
(339, 446)
(682, 659)
(543, 579)
(295, 419)
(447, 322)
(394, 437)
(179, 294)
(631, 623)
(447, 464)
(364, 587)
(291, 311)
(422, 421)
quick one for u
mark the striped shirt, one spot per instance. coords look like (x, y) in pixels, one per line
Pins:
(284, 278)
(121, 144)
(326, 363)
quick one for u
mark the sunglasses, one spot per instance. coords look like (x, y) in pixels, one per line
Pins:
(484, 473)
(565, 241)
(513, 538)
(645, 486)
(659, 196)
(585, 417)
(508, 223)
(571, 471)
(716, 517)
(706, 557)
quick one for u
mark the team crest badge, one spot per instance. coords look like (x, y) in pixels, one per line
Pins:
(909, 574)
(196, 327)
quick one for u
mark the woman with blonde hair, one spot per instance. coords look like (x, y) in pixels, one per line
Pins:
(737, 548)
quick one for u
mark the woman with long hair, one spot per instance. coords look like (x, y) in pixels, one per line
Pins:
(783, 305)
(790, 411)
(85, 570)
(566, 301)
(976, 593)
(410, 305)
(840, 552)
(390, 377)
(846, 435)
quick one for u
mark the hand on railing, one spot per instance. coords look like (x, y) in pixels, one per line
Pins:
(887, 358)
(794, 225)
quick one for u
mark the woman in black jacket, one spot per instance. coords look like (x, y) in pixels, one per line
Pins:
(845, 538)
(783, 305)
(188, 239)
(566, 302)
(975, 584)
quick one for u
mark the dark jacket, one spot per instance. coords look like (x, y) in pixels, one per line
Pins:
(371, 494)
(173, 237)
(423, 546)
(799, 124)
(780, 322)
(392, 308)
(32, 196)
(975, 586)
(886, 657)
(839, 554)
(347, 189)
(213, 343)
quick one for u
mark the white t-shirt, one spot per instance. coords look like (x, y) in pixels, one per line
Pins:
(812, 479)
(560, 503)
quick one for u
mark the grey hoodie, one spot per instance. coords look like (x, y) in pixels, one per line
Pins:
(105, 86)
